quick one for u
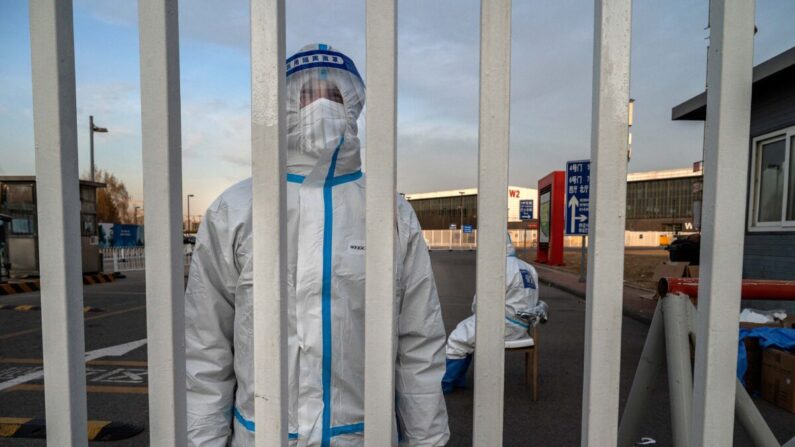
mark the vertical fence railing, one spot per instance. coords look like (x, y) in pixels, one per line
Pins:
(726, 163)
(609, 133)
(269, 216)
(162, 164)
(494, 139)
(379, 359)
(58, 200)
(729, 82)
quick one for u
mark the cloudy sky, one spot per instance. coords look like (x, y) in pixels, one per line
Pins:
(438, 84)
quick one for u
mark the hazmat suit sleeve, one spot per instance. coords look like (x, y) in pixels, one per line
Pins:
(209, 324)
(420, 359)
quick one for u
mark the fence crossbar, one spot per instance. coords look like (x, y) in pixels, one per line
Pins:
(727, 128)
(269, 216)
(55, 136)
(609, 133)
(494, 141)
(379, 380)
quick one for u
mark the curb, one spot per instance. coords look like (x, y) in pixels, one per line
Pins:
(97, 278)
(20, 308)
(97, 430)
(34, 307)
(19, 287)
(35, 285)
(637, 316)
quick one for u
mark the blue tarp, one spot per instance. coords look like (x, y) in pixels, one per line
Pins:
(769, 337)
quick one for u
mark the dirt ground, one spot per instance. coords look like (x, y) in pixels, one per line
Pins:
(639, 263)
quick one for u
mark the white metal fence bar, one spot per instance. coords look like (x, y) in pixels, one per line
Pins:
(494, 139)
(268, 143)
(612, 24)
(729, 74)
(55, 130)
(162, 163)
(379, 377)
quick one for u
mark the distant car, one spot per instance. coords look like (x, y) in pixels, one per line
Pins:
(189, 239)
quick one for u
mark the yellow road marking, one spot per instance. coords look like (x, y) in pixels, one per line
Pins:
(9, 426)
(14, 420)
(89, 388)
(94, 428)
(96, 317)
(131, 363)
(26, 307)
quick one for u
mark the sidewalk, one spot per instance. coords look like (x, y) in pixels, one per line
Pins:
(639, 303)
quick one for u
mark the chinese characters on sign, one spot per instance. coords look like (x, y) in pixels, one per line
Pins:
(578, 183)
(526, 209)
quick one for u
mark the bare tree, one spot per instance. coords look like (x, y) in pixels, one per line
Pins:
(113, 201)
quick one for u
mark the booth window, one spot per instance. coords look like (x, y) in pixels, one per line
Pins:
(17, 196)
(773, 182)
(22, 225)
(88, 224)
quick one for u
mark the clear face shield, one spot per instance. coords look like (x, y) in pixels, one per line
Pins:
(325, 96)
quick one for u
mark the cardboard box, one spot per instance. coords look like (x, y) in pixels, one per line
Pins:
(778, 378)
(753, 374)
(788, 322)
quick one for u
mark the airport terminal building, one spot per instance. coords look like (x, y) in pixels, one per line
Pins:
(657, 201)
(442, 210)
(668, 200)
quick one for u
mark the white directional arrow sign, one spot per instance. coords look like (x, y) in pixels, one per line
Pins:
(573, 204)
(578, 184)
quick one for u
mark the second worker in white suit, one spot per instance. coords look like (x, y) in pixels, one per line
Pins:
(522, 309)
(325, 278)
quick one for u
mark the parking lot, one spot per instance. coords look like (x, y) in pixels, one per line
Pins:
(117, 381)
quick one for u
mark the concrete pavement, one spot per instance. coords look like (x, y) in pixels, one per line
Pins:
(118, 385)
(554, 420)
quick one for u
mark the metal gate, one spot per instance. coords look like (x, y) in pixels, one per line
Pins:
(725, 164)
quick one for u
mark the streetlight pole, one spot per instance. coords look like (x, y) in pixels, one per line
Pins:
(92, 129)
(135, 214)
(189, 196)
(462, 209)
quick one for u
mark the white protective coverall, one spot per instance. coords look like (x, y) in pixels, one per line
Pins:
(326, 247)
(521, 296)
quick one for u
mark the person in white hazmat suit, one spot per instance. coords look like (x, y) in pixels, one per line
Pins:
(326, 247)
(522, 309)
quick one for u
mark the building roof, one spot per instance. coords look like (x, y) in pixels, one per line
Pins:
(695, 108)
(631, 177)
(454, 193)
(32, 178)
(663, 174)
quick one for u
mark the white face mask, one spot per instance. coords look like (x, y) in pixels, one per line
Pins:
(323, 124)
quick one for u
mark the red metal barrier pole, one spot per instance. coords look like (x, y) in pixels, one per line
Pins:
(752, 289)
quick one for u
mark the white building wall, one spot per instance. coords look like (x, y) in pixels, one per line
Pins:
(515, 194)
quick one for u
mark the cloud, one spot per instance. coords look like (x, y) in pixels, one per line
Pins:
(216, 131)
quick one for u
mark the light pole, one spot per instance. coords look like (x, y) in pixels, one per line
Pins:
(135, 214)
(93, 129)
(189, 196)
(462, 209)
